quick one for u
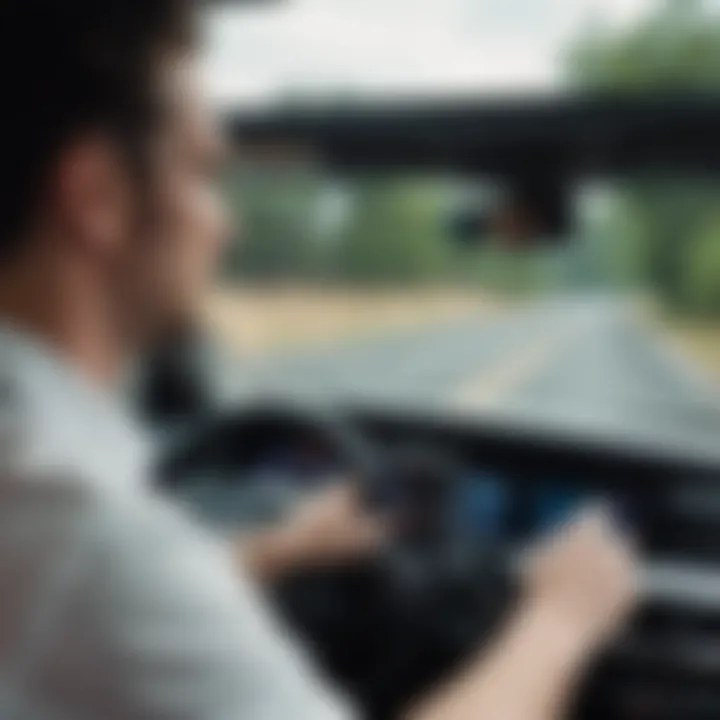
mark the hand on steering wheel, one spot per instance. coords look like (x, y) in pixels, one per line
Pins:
(334, 527)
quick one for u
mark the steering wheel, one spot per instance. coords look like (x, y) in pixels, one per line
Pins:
(403, 618)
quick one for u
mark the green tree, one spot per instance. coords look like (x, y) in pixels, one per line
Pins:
(659, 220)
(701, 271)
(396, 234)
(274, 215)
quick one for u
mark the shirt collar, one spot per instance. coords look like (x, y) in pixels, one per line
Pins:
(62, 421)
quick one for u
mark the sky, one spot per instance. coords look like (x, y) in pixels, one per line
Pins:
(368, 47)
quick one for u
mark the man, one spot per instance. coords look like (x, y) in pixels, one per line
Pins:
(113, 604)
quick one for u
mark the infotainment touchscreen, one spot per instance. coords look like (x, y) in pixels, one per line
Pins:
(501, 508)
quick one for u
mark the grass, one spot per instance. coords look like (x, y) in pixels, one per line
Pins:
(698, 340)
(261, 321)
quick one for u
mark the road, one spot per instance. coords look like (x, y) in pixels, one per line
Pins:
(582, 362)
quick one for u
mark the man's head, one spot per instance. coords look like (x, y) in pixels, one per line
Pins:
(107, 156)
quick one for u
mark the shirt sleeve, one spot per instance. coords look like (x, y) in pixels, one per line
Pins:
(185, 637)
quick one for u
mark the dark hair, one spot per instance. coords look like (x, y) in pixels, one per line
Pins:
(71, 66)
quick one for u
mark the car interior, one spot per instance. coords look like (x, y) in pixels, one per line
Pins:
(473, 489)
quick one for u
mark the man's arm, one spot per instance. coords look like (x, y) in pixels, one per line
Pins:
(332, 528)
(170, 632)
(538, 659)
(152, 624)
(581, 587)
(530, 673)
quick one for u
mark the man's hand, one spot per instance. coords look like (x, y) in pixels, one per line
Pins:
(332, 528)
(581, 586)
(584, 577)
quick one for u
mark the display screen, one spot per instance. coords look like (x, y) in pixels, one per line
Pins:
(553, 505)
(485, 505)
(482, 506)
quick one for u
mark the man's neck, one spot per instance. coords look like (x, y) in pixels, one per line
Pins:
(61, 308)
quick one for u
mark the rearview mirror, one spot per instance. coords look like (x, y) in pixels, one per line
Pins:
(520, 216)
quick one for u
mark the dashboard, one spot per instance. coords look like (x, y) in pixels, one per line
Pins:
(473, 502)
(493, 488)
(486, 491)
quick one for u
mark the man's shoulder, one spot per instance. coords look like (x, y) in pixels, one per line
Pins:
(142, 581)
(52, 420)
(127, 550)
(48, 503)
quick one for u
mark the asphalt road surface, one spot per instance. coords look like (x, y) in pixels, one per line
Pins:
(579, 361)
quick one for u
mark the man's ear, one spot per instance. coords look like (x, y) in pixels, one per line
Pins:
(91, 194)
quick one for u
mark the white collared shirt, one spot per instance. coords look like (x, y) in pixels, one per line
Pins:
(114, 604)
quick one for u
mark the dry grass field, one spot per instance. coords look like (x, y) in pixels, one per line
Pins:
(262, 321)
(695, 339)
(700, 342)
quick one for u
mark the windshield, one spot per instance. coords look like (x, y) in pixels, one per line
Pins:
(355, 285)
